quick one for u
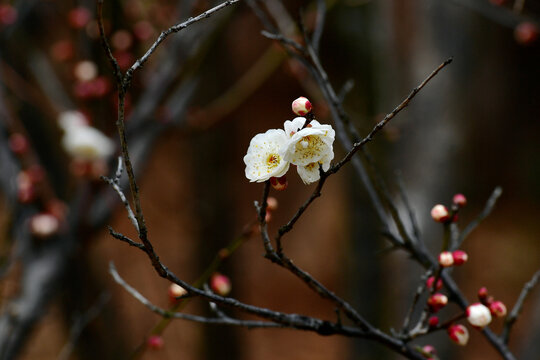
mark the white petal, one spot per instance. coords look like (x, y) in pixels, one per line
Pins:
(294, 126)
(263, 159)
(310, 173)
(87, 143)
(306, 146)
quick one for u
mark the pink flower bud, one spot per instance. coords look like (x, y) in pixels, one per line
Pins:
(431, 280)
(458, 334)
(301, 106)
(498, 308)
(279, 183)
(271, 203)
(155, 342)
(526, 33)
(446, 259)
(482, 293)
(460, 200)
(44, 225)
(220, 284)
(440, 213)
(79, 17)
(478, 315)
(8, 14)
(433, 321)
(460, 257)
(18, 143)
(175, 291)
(437, 301)
(428, 351)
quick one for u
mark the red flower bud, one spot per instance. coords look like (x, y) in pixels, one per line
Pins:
(437, 301)
(155, 342)
(18, 143)
(482, 293)
(279, 183)
(460, 200)
(458, 334)
(440, 213)
(460, 257)
(526, 33)
(431, 280)
(498, 308)
(433, 321)
(79, 17)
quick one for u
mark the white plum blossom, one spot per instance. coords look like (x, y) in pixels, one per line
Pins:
(81, 140)
(309, 148)
(263, 159)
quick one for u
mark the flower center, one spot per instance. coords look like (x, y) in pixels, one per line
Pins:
(273, 160)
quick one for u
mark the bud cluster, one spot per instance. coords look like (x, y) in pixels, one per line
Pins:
(441, 214)
(496, 307)
(452, 258)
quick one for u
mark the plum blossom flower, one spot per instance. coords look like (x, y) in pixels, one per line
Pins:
(264, 159)
(309, 147)
(83, 141)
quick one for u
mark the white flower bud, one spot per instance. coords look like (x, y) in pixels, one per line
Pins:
(478, 315)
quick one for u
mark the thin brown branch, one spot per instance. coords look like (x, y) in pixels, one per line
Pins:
(115, 184)
(488, 208)
(125, 239)
(516, 310)
(173, 29)
(105, 43)
(279, 319)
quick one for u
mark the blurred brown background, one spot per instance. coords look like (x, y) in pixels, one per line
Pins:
(192, 115)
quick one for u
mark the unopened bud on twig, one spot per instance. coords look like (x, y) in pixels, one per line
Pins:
(440, 213)
(446, 259)
(460, 257)
(271, 204)
(220, 284)
(437, 301)
(482, 293)
(460, 200)
(176, 291)
(478, 315)
(526, 33)
(428, 351)
(431, 280)
(155, 342)
(458, 334)
(498, 308)
(301, 106)
(18, 143)
(433, 321)
(279, 183)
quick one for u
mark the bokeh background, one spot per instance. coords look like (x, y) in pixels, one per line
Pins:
(191, 114)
